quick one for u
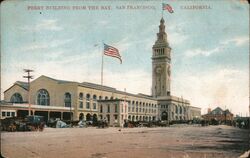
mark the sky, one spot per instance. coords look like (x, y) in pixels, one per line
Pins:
(64, 40)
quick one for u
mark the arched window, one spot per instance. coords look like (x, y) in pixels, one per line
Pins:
(106, 98)
(16, 98)
(88, 101)
(43, 97)
(67, 99)
(80, 100)
(108, 109)
(100, 97)
(116, 108)
(80, 96)
(101, 109)
(94, 101)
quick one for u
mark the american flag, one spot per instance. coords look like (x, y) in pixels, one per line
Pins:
(112, 51)
(167, 7)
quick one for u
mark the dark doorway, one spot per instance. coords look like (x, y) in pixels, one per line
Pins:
(66, 116)
(54, 114)
(164, 116)
(108, 118)
(81, 116)
(42, 113)
(88, 117)
(22, 113)
(94, 118)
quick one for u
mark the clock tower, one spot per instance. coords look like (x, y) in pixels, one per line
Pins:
(161, 67)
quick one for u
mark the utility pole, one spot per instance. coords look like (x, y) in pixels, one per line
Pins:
(28, 77)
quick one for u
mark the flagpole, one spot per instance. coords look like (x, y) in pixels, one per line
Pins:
(162, 9)
(102, 68)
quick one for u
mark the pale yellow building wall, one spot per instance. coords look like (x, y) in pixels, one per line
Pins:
(56, 91)
(16, 89)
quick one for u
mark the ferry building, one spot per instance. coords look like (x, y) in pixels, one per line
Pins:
(66, 100)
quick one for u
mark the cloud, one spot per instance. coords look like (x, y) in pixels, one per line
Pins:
(238, 41)
(135, 81)
(224, 88)
(124, 44)
(176, 33)
(38, 46)
(103, 22)
(198, 51)
(47, 24)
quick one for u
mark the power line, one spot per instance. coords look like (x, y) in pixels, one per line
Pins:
(29, 77)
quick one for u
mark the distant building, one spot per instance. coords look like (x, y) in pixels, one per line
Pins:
(219, 115)
(51, 97)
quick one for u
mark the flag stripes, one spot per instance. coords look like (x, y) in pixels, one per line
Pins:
(112, 51)
(167, 7)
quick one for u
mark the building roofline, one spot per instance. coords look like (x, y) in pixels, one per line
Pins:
(18, 83)
(101, 87)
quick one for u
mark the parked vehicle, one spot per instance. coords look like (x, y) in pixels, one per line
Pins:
(29, 123)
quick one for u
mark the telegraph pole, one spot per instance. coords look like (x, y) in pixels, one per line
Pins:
(28, 77)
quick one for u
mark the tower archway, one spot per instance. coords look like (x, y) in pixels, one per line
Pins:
(164, 116)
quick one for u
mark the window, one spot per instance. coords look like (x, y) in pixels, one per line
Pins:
(94, 97)
(108, 117)
(80, 96)
(13, 114)
(3, 113)
(8, 113)
(67, 99)
(116, 108)
(88, 101)
(106, 98)
(43, 97)
(101, 109)
(80, 104)
(100, 97)
(95, 101)
(108, 110)
(16, 98)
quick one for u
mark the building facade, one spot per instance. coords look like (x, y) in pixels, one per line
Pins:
(219, 115)
(68, 100)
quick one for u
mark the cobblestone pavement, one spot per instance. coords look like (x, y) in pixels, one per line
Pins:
(180, 141)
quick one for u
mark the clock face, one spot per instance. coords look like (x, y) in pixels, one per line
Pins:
(158, 70)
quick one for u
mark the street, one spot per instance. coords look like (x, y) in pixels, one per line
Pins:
(178, 141)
